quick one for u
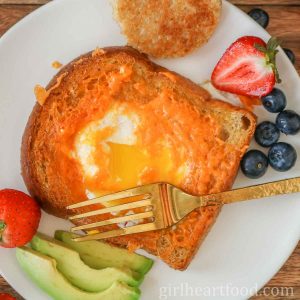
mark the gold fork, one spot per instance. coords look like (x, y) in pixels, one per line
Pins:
(166, 205)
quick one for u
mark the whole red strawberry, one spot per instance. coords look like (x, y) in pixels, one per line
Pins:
(248, 67)
(19, 218)
(4, 296)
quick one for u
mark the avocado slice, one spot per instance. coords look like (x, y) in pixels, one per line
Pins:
(99, 255)
(43, 271)
(76, 271)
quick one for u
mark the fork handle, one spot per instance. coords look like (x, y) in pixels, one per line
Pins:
(287, 186)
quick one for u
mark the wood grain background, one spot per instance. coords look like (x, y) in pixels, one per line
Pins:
(285, 24)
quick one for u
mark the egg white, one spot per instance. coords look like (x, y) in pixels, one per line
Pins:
(124, 126)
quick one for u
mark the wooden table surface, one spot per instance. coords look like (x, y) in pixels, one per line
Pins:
(285, 24)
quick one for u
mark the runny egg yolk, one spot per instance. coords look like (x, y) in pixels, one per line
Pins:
(130, 165)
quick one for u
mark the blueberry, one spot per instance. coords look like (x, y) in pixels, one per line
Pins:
(288, 122)
(260, 16)
(290, 54)
(266, 134)
(282, 156)
(254, 164)
(275, 101)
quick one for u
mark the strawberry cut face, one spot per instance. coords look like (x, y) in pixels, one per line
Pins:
(244, 70)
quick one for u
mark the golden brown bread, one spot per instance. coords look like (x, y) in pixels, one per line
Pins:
(167, 28)
(78, 94)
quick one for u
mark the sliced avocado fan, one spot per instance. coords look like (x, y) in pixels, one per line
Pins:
(76, 271)
(43, 271)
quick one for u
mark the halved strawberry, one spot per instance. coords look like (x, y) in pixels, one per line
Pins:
(248, 67)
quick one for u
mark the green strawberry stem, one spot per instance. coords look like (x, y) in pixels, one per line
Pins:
(270, 52)
(2, 228)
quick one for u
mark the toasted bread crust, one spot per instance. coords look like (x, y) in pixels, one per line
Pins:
(176, 246)
(167, 28)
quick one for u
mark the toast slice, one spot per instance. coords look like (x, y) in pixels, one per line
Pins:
(214, 136)
(167, 28)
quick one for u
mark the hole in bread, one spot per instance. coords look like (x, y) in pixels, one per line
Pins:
(245, 122)
(224, 135)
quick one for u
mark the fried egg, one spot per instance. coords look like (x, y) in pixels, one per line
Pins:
(131, 144)
(113, 155)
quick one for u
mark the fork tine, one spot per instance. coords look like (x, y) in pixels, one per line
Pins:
(111, 209)
(132, 217)
(111, 197)
(118, 232)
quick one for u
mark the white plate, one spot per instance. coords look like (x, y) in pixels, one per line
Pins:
(249, 242)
